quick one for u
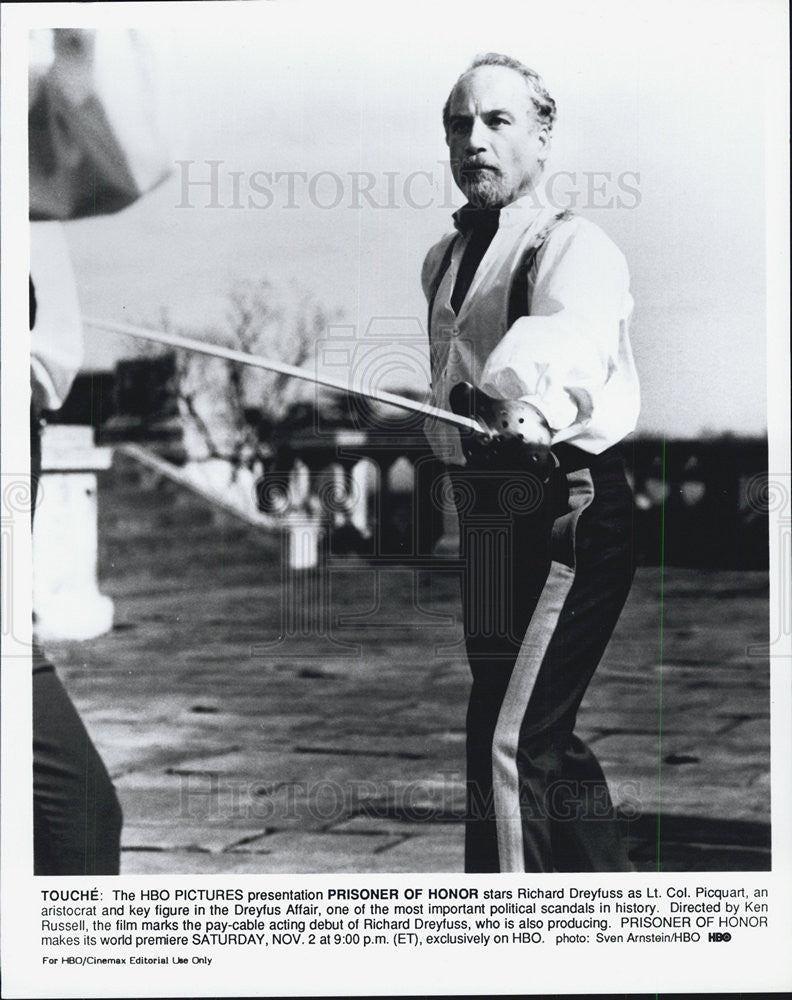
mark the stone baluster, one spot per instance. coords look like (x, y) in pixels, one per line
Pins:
(66, 598)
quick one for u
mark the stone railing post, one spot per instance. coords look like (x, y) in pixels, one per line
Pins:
(66, 599)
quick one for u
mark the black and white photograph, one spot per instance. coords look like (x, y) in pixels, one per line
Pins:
(407, 485)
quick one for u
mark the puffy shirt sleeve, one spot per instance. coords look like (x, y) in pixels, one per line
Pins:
(56, 340)
(561, 356)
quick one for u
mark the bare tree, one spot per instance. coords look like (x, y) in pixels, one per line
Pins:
(233, 411)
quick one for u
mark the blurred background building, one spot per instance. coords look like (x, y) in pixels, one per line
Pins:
(699, 502)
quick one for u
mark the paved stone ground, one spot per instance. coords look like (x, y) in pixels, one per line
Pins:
(258, 724)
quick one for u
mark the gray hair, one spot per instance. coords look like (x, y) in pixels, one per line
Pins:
(544, 105)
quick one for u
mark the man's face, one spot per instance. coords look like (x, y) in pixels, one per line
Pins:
(495, 142)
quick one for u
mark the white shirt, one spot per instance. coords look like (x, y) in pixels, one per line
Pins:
(570, 358)
(56, 340)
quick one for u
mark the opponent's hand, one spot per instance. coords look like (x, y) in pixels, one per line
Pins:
(514, 434)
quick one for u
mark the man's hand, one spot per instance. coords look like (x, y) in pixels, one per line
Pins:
(514, 434)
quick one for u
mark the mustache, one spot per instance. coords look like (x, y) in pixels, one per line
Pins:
(473, 166)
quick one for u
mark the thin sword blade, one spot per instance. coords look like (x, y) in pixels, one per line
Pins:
(269, 364)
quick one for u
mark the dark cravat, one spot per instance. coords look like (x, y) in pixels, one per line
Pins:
(481, 224)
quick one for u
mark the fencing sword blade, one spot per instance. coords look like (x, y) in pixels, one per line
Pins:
(269, 364)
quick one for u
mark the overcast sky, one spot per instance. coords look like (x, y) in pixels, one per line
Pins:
(659, 139)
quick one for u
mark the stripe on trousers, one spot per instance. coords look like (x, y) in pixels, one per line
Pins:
(505, 778)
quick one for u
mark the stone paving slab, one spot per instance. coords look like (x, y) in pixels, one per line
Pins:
(306, 854)
(438, 850)
(340, 747)
(397, 828)
(200, 837)
(181, 862)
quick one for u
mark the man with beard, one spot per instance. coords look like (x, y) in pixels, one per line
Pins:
(531, 306)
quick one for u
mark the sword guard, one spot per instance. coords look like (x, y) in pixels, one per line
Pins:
(513, 434)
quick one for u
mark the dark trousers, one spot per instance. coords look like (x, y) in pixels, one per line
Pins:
(76, 814)
(547, 571)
